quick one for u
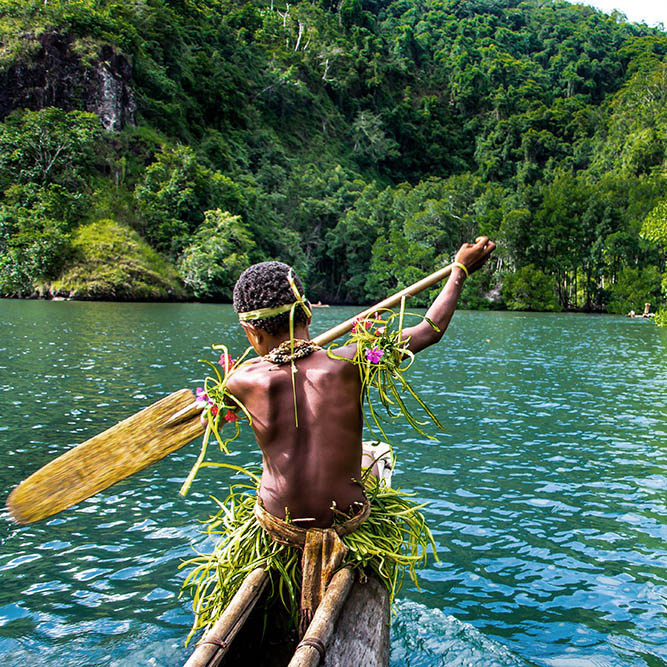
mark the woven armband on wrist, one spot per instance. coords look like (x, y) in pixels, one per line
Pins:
(462, 267)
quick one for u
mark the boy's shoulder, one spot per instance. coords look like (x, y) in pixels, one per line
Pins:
(250, 370)
(253, 375)
(261, 371)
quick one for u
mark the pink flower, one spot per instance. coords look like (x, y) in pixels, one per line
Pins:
(203, 398)
(358, 322)
(374, 355)
(226, 359)
(230, 416)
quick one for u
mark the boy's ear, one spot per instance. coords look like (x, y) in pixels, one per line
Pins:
(250, 329)
(255, 335)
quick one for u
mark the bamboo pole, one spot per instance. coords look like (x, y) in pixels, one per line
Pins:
(322, 626)
(213, 647)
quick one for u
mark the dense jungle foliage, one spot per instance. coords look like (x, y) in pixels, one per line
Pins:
(360, 140)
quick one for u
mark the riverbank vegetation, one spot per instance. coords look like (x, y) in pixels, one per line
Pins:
(361, 141)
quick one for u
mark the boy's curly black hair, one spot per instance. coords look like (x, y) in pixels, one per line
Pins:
(265, 285)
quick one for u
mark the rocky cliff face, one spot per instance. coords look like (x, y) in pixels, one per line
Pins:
(58, 76)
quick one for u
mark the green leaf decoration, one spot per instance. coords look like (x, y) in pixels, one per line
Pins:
(383, 357)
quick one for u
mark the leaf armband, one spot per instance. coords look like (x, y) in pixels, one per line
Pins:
(383, 356)
(220, 407)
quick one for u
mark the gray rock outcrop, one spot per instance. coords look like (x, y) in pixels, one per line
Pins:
(57, 76)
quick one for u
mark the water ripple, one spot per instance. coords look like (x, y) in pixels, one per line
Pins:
(546, 491)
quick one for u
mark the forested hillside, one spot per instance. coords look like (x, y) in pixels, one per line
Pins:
(151, 149)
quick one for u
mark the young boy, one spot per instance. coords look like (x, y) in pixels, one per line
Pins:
(307, 419)
(309, 467)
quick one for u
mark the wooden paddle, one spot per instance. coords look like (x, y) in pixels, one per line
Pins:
(140, 440)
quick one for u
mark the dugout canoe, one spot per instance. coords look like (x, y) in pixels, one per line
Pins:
(351, 624)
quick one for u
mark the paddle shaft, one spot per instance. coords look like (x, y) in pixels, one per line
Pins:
(389, 302)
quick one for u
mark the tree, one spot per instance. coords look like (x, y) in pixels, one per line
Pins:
(633, 289)
(529, 289)
(350, 243)
(32, 247)
(218, 253)
(637, 127)
(654, 229)
(49, 146)
(175, 192)
(371, 143)
(46, 158)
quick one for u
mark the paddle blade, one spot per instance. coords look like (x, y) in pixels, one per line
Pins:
(107, 458)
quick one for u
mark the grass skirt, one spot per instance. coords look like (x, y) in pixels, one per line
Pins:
(392, 541)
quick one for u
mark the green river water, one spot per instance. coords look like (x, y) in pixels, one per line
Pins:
(547, 492)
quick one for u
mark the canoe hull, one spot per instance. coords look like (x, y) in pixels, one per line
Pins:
(360, 636)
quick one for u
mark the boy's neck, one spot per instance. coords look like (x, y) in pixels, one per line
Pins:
(271, 341)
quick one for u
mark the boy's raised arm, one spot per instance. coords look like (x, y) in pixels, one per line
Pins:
(473, 256)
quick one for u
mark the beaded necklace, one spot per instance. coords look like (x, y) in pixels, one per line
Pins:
(290, 350)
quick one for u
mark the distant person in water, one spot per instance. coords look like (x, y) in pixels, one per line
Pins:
(646, 314)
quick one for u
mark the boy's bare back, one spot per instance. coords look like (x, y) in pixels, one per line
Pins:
(309, 468)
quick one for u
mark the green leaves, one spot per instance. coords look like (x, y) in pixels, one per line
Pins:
(361, 141)
(220, 250)
(636, 140)
(46, 159)
(382, 357)
(529, 289)
(633, 289)
(392, 541)
(654, 227)
(47, 147)
(28, 253)
(371, 144)
(175, 192)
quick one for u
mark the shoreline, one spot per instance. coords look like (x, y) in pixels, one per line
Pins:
(177, 300)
